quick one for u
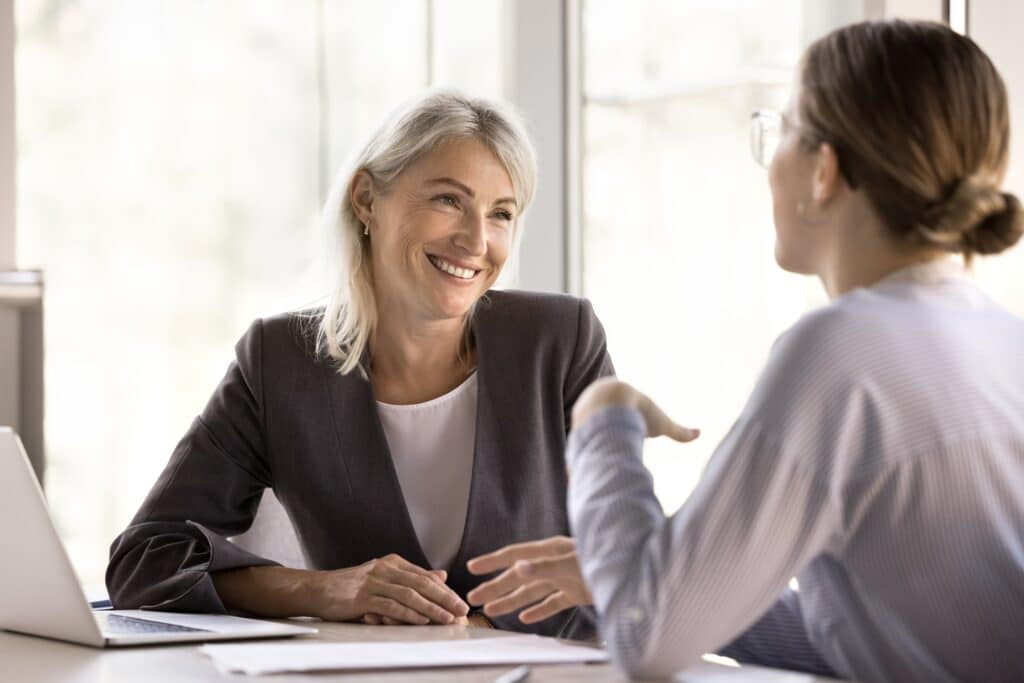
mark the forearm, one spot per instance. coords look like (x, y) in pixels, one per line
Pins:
(275, 592)
(669, 590)
(614, 516)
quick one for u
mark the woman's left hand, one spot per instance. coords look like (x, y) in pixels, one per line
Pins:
(544, 574)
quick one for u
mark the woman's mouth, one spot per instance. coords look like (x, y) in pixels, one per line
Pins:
(451, 269)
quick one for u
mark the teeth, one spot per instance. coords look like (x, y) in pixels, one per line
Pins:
(464, 273)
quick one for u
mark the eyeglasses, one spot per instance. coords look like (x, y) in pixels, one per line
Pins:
(765, 133)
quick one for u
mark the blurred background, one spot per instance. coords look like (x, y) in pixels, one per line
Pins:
(163, 162)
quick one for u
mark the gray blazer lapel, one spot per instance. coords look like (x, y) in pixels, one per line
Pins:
(489, 524)
(375, 501)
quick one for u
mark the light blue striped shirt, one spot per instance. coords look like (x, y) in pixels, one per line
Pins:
(880, 459)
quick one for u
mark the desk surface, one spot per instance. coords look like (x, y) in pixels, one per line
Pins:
(28, 659)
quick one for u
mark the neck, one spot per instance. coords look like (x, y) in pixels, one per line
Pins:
(864, 252)
(416, 360)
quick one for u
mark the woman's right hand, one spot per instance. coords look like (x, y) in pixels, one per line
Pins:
(388, 590)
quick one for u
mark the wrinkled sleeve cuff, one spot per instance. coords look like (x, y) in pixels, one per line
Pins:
(193, 589)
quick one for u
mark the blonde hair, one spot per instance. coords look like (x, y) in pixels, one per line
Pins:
(349, 317)
(918, 117)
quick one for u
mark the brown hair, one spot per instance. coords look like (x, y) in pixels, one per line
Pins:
(918, 118)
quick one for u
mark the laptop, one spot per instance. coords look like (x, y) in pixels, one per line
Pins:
(40, 594)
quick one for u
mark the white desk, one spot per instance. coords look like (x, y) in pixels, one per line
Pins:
(26, 659)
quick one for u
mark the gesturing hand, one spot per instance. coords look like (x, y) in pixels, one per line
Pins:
(609, 391)
(388, 590)
(543, 573)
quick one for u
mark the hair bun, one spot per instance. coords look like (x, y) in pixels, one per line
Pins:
(975, 217)
(999, 230)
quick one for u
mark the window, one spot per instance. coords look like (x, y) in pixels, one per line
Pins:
(172, 161)
(677, 229)
(677, 233)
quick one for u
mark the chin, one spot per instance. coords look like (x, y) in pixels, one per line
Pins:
(456, 307)
(789, 262)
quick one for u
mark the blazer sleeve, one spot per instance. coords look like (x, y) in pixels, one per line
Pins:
(590, 360)
(209, 490)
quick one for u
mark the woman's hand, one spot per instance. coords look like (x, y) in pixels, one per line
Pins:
(609, 391)
(389, 590)
(544, 574)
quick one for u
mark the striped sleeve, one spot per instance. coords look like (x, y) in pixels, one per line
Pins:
(668, 590)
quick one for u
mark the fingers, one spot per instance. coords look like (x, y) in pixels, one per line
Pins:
(510, 554)
(428, 583)
(504, 583)
(559, 568)
(501, 559)
(402, 563)
(564, 572)
(378, 620)
(660, 424)
(609, 391)
(414, 600)
(555, 603)
(436, 593)
(389, 608)
(519, 598)
(681, 434)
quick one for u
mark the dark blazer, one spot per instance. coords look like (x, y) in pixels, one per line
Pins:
(282, 419)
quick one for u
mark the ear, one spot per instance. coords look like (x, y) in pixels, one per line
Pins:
(827, 181)
(361, 194)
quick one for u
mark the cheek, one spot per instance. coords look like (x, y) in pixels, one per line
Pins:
(784, 181)
(784, 213)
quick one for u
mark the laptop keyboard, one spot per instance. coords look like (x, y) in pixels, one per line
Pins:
(118, 624)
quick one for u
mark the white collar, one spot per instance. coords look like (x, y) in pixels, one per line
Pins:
(926, 273)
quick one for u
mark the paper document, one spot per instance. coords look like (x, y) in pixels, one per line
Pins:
(266, 658)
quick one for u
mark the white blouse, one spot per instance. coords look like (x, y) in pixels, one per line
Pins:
(432, 446)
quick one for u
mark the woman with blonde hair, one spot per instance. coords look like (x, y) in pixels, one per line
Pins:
(880, 458)
(420, 424)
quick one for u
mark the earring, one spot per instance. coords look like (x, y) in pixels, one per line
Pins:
(366, 228)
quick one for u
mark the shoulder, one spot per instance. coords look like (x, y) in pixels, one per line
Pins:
(818, 332)
(544, 330)
(545, 313)
(282, 339)
(525, 304)
(818, 363)
(835, 338)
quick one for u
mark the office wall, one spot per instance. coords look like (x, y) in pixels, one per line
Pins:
(917, 9)
(7, 144)
(535, 82)
(8, 317)
(995, 25)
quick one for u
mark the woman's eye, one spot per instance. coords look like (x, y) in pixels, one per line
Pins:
(448, 200)
(504, 215)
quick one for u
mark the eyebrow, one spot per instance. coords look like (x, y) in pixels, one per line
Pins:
(467, 190)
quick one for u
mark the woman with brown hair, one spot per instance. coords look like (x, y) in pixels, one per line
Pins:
(880, 458)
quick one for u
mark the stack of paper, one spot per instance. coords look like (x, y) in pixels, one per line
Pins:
(264, 658)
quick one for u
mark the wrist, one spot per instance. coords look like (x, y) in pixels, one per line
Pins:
(309, 592)
(604, 394)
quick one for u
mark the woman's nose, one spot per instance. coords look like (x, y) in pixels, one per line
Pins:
(472, 235)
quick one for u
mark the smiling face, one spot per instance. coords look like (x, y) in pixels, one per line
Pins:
(441, 232)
